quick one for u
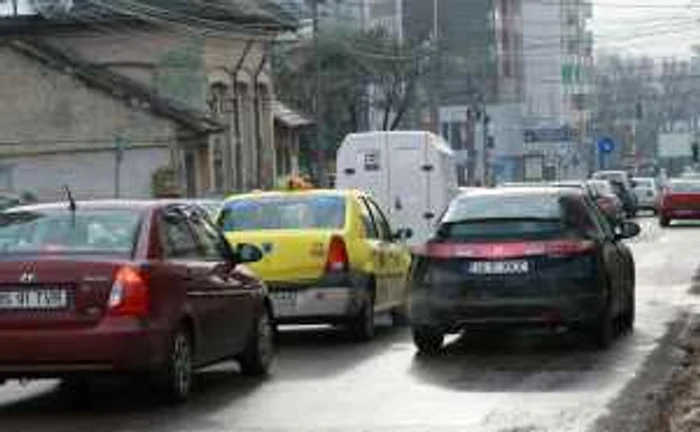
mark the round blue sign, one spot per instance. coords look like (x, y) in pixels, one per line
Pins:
(606, 145)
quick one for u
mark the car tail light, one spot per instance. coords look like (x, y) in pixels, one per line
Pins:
(129, 295)
(337, 260)
(569, 247)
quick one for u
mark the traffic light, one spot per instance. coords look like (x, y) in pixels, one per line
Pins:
(695, 147)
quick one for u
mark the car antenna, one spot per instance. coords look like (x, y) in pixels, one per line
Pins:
(71, 201)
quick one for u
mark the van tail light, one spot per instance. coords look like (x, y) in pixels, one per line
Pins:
(130, 296)
(337, 260)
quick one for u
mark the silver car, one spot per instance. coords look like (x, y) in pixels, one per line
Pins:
(647, 192)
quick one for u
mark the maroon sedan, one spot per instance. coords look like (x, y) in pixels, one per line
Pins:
(147, 289)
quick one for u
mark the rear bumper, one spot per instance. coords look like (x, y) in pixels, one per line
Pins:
(332, 299)
(681, 213)
(452, 315)
(114, 346)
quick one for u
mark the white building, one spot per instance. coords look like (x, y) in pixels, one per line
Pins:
(557, 62)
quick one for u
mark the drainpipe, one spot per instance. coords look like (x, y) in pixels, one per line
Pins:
(258, 119)
(233, 166)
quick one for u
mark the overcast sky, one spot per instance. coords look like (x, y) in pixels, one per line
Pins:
(658, 28)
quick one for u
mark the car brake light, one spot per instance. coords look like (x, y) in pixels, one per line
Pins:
(337, 260)
(569, 247)
(129, 295)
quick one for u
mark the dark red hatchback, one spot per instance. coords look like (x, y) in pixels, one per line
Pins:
(130, 288)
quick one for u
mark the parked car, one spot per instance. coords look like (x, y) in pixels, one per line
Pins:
(647, 191)
(331, 257)
(511, 258)
(679, 200)
(127, 288)
(623, 186)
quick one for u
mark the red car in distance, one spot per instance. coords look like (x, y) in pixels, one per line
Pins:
(680, 200)
(140, 289)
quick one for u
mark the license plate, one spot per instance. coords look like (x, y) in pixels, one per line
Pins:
(284, 299)
(34, 299)
(499, 267)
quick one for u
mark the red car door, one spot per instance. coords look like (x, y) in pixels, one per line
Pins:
(187, 270)
(232, 298)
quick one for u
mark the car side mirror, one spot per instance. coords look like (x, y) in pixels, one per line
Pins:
(246, 253)
(403, 234)
(627, 230)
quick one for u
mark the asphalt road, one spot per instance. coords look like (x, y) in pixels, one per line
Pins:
(322, 383)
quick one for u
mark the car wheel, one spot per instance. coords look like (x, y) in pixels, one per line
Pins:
(177, 373)
(361, 327)
(428, 340)
(664, 221)
(259, 354)
(629, 316)
(604, 328)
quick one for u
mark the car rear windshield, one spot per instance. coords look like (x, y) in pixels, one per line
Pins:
(112, 231)
(283, 213)
(685, 186)
(601, 187)
(644, 183)
(518, 217)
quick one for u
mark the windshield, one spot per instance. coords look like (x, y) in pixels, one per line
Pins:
(283, 213)
(497, 206)
(601, 187)
(111, 232)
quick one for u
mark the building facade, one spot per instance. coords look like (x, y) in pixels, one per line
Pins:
(104, 104)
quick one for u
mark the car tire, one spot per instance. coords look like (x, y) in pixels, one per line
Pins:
(629, 316)
(664, 221)
(177, 373)
(361, 327)
(428, 340)
(604, 329)
(258, 357)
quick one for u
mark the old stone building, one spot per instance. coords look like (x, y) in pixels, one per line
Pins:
(101, 98)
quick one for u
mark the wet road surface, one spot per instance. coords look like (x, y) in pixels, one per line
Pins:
(322, 383)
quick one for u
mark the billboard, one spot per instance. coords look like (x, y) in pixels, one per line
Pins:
(674, 145)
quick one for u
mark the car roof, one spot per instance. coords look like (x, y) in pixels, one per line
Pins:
(525, 190)
(296, 193)
(138, 205)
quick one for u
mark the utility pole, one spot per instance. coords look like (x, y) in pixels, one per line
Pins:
(318, 98)
(436, 92)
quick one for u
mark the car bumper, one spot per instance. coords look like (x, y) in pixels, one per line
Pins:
(452, 315)
(328, 300)
(681, 213)
(119, 345)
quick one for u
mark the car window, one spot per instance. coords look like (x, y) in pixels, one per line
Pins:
(103, 231)
(579, 216)
(210, 242)
(367, 219)
(383, 227)
(500, 206)
(287, 212)
(177, 236)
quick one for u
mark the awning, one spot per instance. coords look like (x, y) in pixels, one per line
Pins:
(288, 116)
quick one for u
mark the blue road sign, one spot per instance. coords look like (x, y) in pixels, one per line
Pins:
(606, 145)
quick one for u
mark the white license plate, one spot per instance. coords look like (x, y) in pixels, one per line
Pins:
(499, 267)
(284, 299)
(34, 299)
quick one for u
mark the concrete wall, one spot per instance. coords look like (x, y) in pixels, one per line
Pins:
(55, 130)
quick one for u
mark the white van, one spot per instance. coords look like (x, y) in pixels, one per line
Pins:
(411, 174)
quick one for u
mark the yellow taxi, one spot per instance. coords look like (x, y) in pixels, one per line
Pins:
(329, 256)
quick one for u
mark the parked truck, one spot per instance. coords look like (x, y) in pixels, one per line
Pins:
(411, 174)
